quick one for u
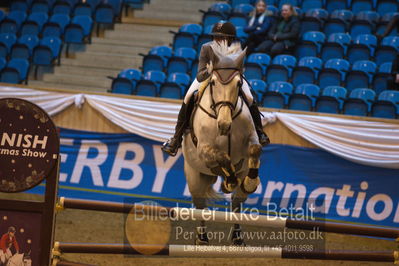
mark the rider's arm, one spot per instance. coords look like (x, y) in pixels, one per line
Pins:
(3, 243)
(203, 59)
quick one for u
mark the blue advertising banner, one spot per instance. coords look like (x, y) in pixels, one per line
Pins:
(114, 167)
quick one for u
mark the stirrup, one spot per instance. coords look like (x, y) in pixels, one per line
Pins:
(166, 147)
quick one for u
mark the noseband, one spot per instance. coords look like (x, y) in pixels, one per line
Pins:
(224, 76)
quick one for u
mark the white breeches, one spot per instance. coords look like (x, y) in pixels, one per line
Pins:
(195, 86)
(5, 256)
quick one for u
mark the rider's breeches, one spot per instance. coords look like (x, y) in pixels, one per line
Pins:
(5, 256)
(195, 86)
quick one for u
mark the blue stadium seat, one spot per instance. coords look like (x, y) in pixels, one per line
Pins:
(150, 84)
(364, 23)
(310, 44)
(126, 81)
(213, 15)
(175, 86)
(33, 24)
(313, 20)
(16, 71)
(7, 40)
(82, 9)
(24, 47)
(331, 100)
(339, 21)
(181, 60)
(306, 71)
(3, 63)
(281, 68)
(336, 46)
(333, 5)
(294, 3)
(238, 19)
(310, 4)
(157, 58)
(204, 37)
(362, 48)
(259, 87)
(95, 3)
(235, 3)
(359, 102)
(56, 25)
(2, 15)
(387, 50)
(47, 52)
(104, 14)
(361, 75)
(387, 6)
(187, 36)
(134, 4)
(304, 97)
(273, 9)
(361, 5)
(243, 9)
(387, 105)
(62, 7)
(116, 6)
(241, 34)
(40, 6)
(380, 81)
(223, 8)
(256, 65)
(277, 95)
(21, 5)
(333, 73)
(78, 31)
(12, 22)
(384, 21)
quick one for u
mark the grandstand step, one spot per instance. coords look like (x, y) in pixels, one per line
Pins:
(55, 85)
(177, 10)
(147, 37)
(76, 80)
(137, 43)
(116, 49)
(143, 28)
(101, 60)
(89, 71)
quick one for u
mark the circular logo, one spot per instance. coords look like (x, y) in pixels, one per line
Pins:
(29, 145)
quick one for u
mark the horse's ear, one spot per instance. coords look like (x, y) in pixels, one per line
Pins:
(239, 61)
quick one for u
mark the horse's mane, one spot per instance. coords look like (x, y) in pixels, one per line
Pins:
(223, 49)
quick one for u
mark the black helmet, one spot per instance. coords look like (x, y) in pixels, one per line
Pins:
(224, 29)
(11, 229)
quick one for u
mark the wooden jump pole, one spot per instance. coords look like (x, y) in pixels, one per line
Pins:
(226, 252)
(229, 217)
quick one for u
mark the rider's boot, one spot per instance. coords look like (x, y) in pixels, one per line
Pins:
(172, 145)
(263, 138)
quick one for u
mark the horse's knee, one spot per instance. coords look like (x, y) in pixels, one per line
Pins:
(254, 151)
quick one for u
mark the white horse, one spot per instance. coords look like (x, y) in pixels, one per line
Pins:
(223, 140)
(19, 260)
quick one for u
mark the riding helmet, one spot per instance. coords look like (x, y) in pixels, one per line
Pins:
(224, 29)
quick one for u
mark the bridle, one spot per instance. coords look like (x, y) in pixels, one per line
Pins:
(215, 106)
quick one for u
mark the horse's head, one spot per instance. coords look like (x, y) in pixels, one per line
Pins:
(226, 81)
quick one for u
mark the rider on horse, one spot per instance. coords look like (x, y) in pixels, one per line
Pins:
(221, 31)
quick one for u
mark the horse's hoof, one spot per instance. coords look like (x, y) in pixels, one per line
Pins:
(237, 239)
(228, 187)
(249, 185)
(201, 237)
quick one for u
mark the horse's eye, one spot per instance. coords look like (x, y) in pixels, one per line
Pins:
(239, 84)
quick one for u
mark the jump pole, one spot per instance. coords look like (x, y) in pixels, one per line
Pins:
(225, 252)
(229, 217)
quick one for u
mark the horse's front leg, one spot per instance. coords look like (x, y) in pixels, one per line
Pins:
(251, 181)
(220, 164)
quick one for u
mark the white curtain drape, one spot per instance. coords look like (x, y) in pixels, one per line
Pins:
(364, 142)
